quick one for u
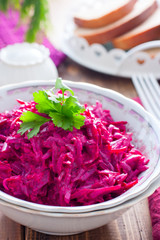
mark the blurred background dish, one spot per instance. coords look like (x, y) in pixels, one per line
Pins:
(104, 49)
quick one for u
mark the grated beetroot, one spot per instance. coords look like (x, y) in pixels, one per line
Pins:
(62, 168)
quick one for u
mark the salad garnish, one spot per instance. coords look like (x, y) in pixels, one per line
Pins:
(65, 111)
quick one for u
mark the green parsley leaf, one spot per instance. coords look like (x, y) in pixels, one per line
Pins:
(44, 105)
(72, 106)
(31, 121)
(62, 121)
(52, 96)
(78, 121)
(60, 85)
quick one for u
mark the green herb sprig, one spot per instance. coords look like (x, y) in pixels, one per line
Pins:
(34, 11)
(65, 111)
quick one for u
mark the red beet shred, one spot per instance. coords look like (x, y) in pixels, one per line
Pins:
(62, 168)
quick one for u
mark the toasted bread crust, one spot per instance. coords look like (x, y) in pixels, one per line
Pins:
(106, 19)
(134, 40)
(108, 33)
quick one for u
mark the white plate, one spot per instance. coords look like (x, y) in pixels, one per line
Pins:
(115, 61)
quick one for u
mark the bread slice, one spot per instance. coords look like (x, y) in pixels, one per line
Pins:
(141, 11)
(102, 12)
(148, 31)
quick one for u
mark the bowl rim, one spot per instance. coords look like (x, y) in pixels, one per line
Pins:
(99, 206)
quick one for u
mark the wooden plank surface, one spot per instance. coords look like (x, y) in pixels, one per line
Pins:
(10, 230)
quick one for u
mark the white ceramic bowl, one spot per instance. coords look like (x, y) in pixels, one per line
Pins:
(68, 223)
(145, 128)
(71, 220)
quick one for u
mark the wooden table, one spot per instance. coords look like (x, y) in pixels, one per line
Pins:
(135, 223)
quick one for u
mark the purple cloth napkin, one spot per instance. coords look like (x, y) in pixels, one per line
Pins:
(11, 33)
(154, 206)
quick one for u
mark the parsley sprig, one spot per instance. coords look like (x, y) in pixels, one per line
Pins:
(65, 111)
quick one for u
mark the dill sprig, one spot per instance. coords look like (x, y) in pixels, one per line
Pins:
(36, 11)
